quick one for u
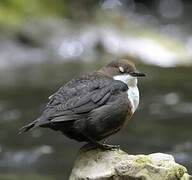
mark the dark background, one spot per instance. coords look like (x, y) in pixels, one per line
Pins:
(43, 44)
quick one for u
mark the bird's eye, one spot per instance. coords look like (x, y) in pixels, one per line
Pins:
(121, 69)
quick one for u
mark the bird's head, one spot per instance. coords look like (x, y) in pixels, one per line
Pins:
(122, 70)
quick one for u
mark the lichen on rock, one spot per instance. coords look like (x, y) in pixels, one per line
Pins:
(97, 164)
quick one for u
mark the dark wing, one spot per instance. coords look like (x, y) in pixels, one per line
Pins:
(77, 99)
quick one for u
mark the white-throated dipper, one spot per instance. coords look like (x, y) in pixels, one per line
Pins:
(93, 106)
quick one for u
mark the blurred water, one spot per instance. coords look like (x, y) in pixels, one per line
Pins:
(161, 124)
(57, 40)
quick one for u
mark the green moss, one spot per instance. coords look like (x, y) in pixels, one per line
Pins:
(143, 160)
(176, 173)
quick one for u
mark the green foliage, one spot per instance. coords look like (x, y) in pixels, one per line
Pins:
(14, 11)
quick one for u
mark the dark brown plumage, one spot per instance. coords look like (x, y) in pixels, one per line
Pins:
(91, 107)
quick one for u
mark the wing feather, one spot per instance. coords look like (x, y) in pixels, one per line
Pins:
(87, 96)
(79, 97)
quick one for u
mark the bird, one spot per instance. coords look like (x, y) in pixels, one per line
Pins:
(94, 106)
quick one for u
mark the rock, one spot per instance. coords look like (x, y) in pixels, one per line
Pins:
(116, 164)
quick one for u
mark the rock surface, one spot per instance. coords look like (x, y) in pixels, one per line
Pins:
(116, 164)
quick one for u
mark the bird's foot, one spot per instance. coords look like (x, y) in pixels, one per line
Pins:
(93, 144)
(102, 146)
(107, 146)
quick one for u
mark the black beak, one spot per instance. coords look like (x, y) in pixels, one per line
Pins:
(137, 74)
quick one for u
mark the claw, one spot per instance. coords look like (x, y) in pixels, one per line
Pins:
(95, 144)
(91, 146)
(108, 146)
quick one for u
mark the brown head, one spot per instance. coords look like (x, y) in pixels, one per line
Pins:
(120, 67)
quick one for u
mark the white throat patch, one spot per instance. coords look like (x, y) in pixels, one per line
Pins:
(133, 92)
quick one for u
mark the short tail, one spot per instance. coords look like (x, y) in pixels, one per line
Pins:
(27, 128)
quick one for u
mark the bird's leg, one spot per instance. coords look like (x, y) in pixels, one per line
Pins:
(108, 146)
(101, 145)
(112, 146)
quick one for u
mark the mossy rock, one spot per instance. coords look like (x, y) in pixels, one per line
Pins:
(116, 164)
